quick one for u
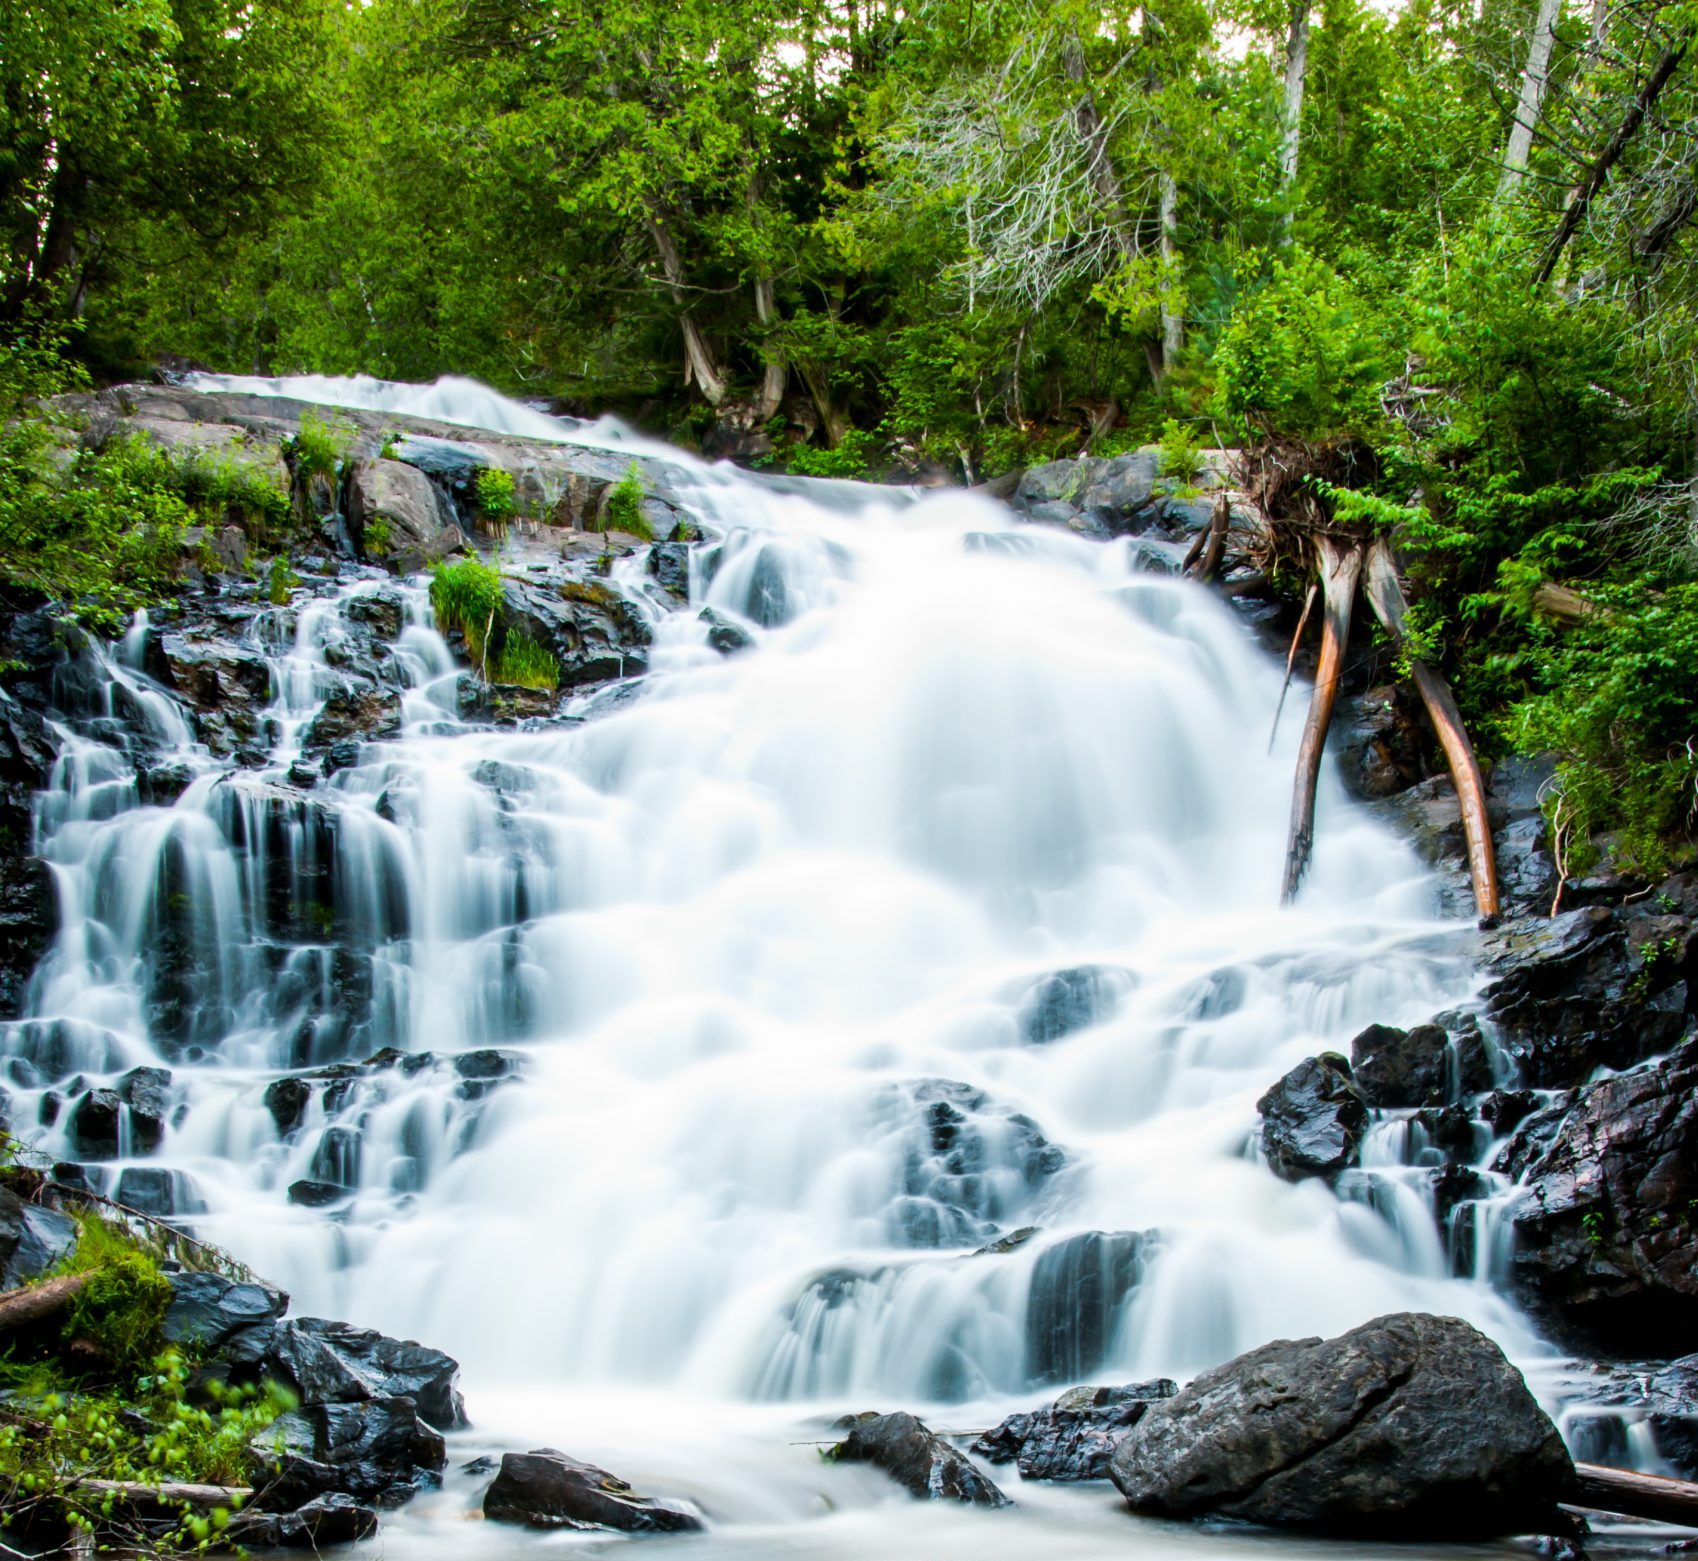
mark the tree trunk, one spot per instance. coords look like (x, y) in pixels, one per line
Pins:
(773, 380)
(1291, 134)
(1532, 102)
(834, 419)
(1340, 569)
(1637, 1495)
(700, 369)
(1385, 595)
(1172, 321)
(1583, 197)
(1088, 121)
(37, 1303)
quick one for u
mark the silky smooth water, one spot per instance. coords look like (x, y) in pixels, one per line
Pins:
(739, 929)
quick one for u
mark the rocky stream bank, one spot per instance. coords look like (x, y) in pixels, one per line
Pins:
(1553, 1118)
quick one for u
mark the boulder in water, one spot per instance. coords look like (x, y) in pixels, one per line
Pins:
(924, 1465)
(547, 1489)
(1076, 1436)
(1064, 1001)
(209, 1311)
(1393, 1067)
(377, 1450)
(354, 710)
(95, 1124)
(1409, 1426)
(1078, 1295)
(398, 517)
(1313, 1119)
(329, 1362)
(1606, 1249)
(333, 1519)
(147, 1092)
(669, 565)
(32, 1239)
(723, 635)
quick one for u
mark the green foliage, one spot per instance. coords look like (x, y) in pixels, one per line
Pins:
(377, 536)
(522, 663)
(467, 596)
(495, 489)
(280, 582)
(849, 459)
(624, 508)
(121, 1307)
(1181, 453)
(319, 447)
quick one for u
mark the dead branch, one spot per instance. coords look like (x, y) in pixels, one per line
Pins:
(37, 1303)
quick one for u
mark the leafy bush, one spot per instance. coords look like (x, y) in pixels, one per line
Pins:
(467, 596)
(319, 447)
(495, 491)
(624, 508)
(849, 459)
(523, 663)
(1181, 452)
(280, 582)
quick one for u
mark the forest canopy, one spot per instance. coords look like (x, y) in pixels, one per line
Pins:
(1453, 240)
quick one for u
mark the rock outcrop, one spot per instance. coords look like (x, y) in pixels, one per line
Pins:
(1313, 1119)
(1074, 1438)
(924, 1465)
(547, 1489)
(1409, 1426)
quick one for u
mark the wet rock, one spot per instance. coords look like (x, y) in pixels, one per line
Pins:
(1451, 1131)
(398, 517)
(329, 1362)
(1066, 1001)
(158, 1192)
(378, 1450)
(723, 635)
(32, 1239)
(95, 1124)
(547, 1489)
(308, 1194)
(210, 1311)
(591, 630)
(1409, 1426)
(1313, 1119)
(922, 1464)
(287, 1100)
(336, 1160)
(1661, 1395)
(1590, 988)
(29, 919)
(1393, 1067)
(1504, 1110)
(382, 612)
(968, 1162)
(1384, 746)
(1078, 1295)
(1606, 1240)
(1075, 1437)
(147, 1092)
(229, 690)
(333, 1519)
(669, 564)
(354, 711)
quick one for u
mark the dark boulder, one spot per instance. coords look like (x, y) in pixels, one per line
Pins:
(334, 1519)
(211, 1312)
(1076, 1436)
(669, 565)
(1394, 1067)
(1313, 1119)
(1064, 1001)
(32, 1239)
(379, 1450)
(922, 1464)
(29, 918)
(1078, 1296)
(1384, 745)
(95, 1124)
(547, 1489)
(308, 1194)
(153, 1190)
(723, 635)
(1409, 1426)
(330, 1362)
(228, 688)
(1606, 1243)
(147, 1092)
(287, 1100)
(354, 711)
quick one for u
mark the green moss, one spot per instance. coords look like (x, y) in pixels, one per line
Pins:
(121, 1308)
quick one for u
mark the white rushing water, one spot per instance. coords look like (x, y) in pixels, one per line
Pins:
(771, 942)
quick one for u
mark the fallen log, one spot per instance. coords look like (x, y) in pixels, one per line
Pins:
(1340, 569)
(1652, 1496)
(1215, 545)
(1385, 596)
(171, 1497)
(36, 1303)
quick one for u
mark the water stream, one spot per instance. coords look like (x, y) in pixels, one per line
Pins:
(947, 910)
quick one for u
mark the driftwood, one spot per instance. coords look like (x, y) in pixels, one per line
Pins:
(36, 1303)
(1291, 660)
(1561, 605)
(1214, 540)
(1635, 1495)
(1385, 596)
(1340, 569)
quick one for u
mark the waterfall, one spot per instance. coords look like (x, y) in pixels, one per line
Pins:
(872, 1018)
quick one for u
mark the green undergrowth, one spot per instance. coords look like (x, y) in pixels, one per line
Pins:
(496, 502)
(467, 596)
(101, 1396)
(523, 663)
(624, 508)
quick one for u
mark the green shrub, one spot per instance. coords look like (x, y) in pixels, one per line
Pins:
(377, 536)
(467, 596)
(1181, 453)
(624, 508)
(495, 490)
(849, 459)
(121, 1307)
(525, 664)
(319, 447)
(280, 582)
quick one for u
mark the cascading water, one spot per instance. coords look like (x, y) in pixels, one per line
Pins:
(742, 1027)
